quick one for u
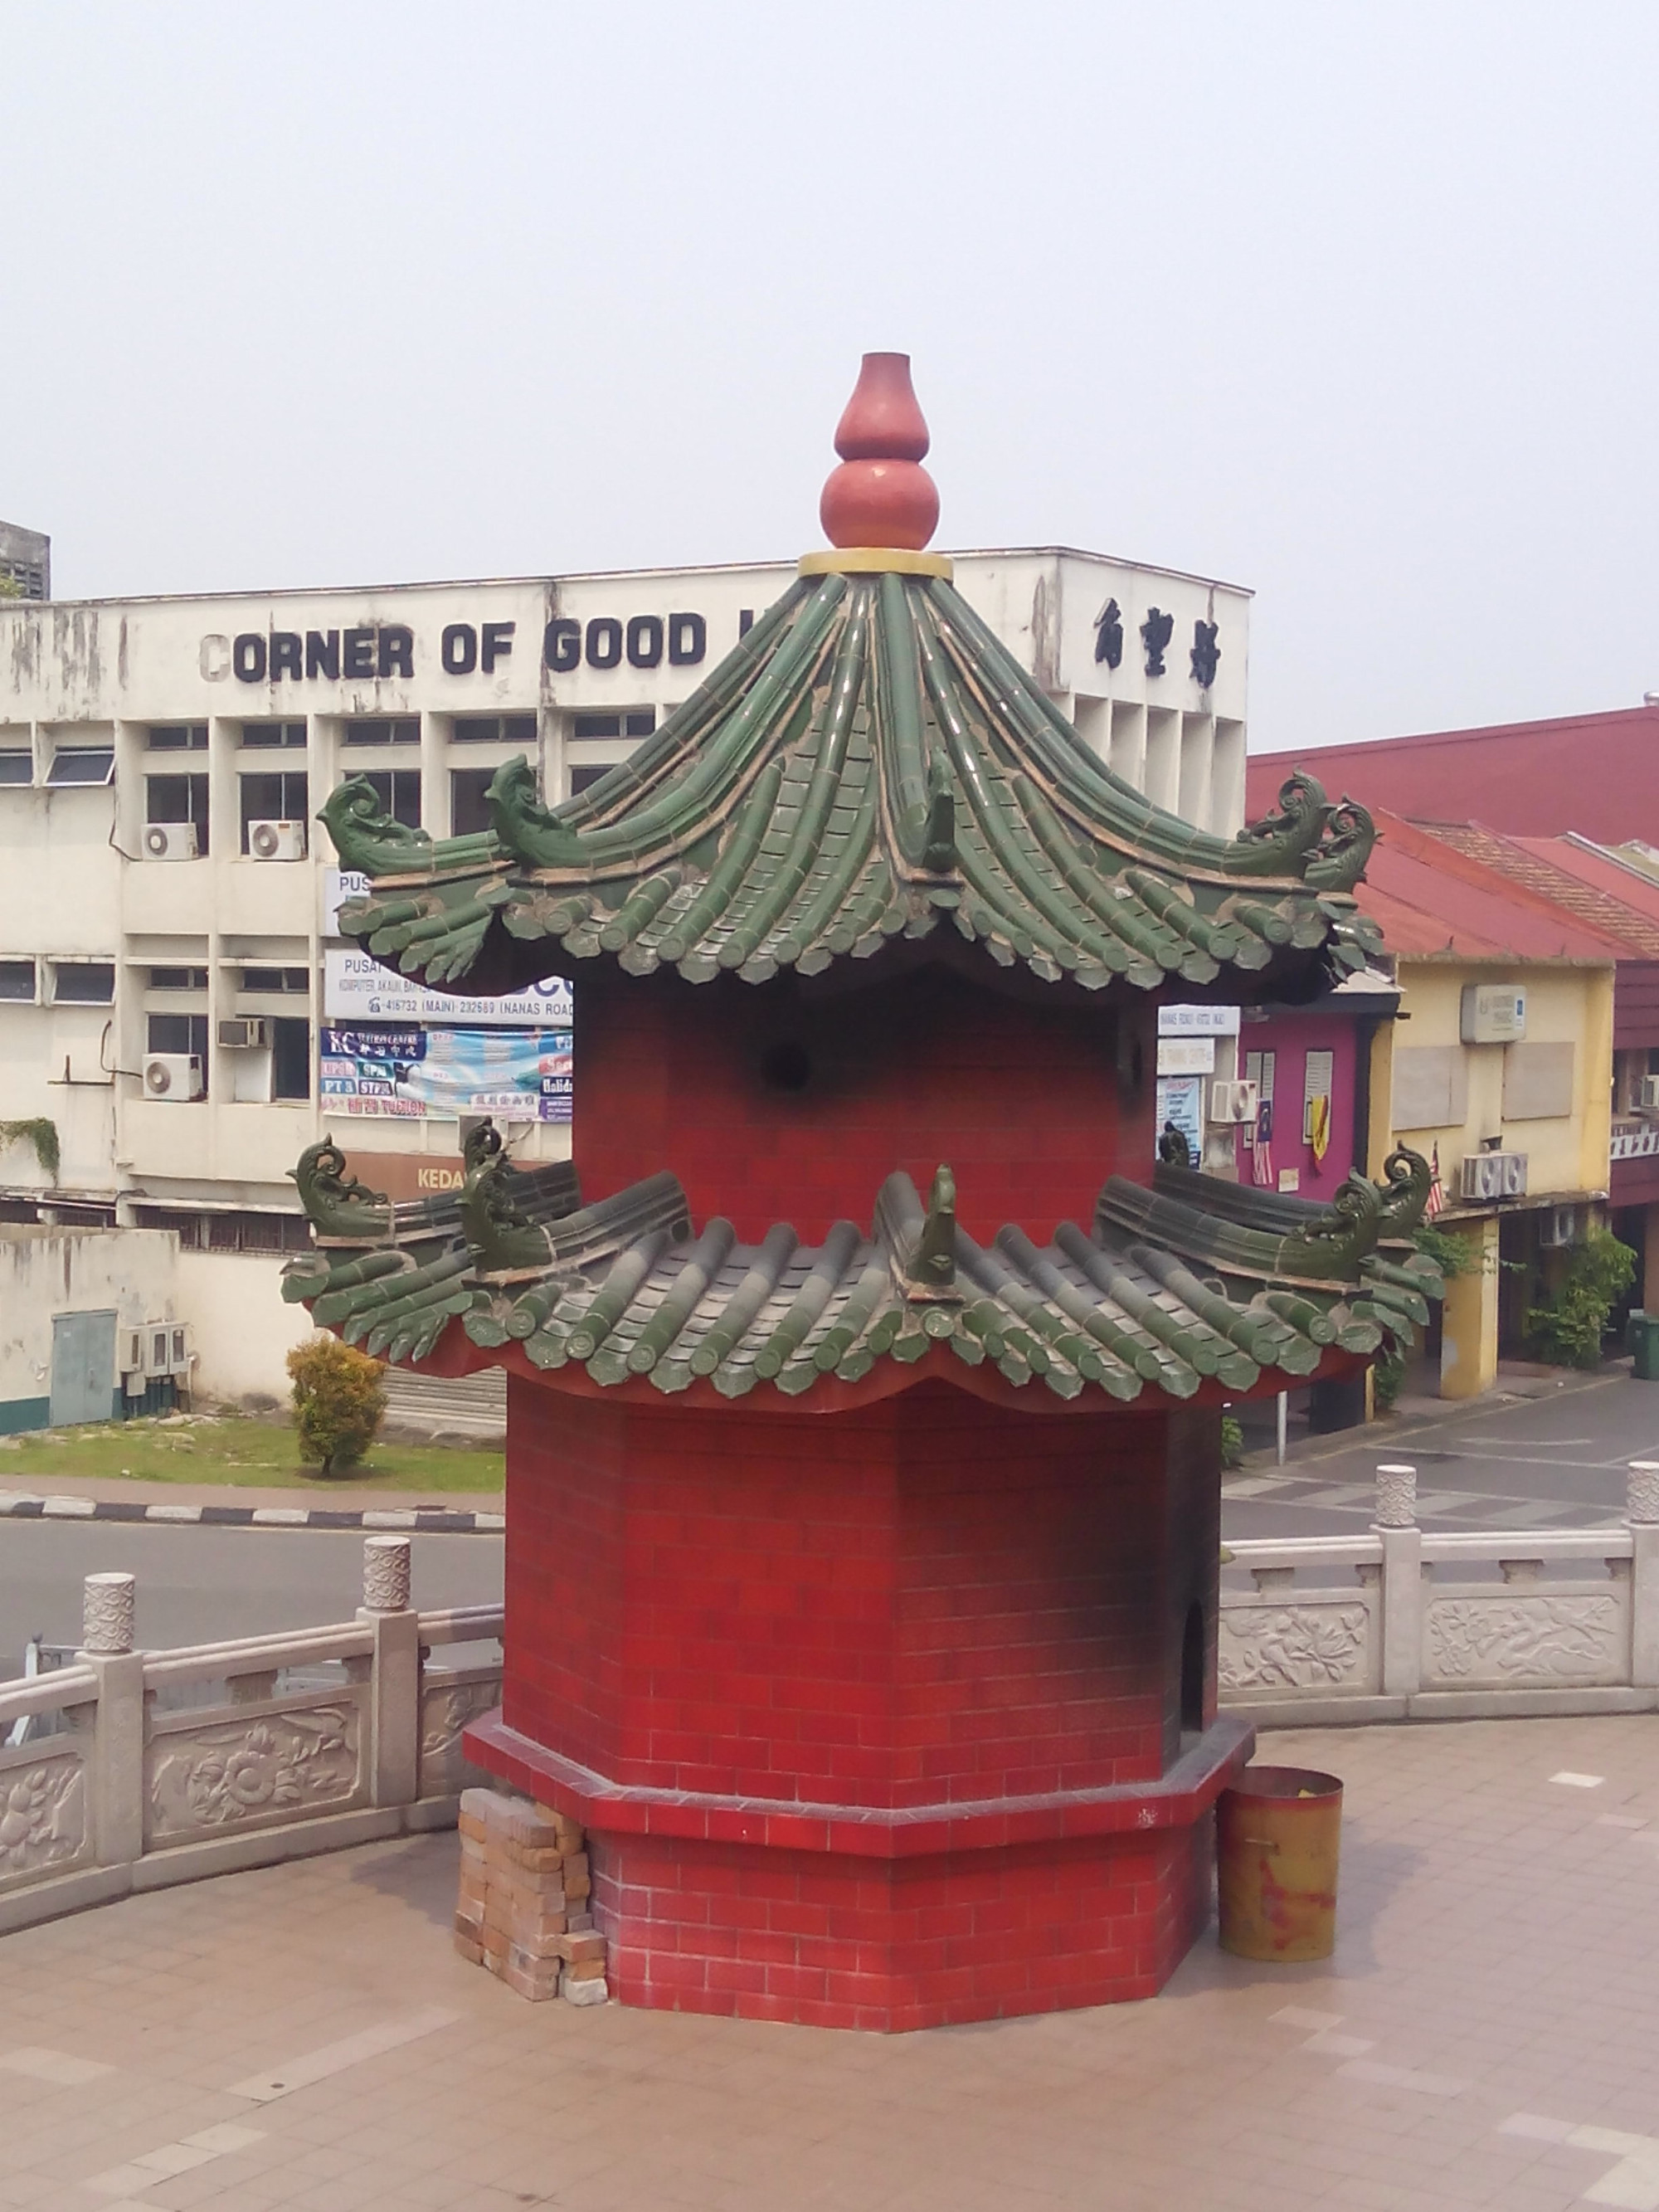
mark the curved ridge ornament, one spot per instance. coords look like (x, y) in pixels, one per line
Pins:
(1406, 1177)
(367, 838)
(1336, 1241)
(504, 1242)
(336, 1203)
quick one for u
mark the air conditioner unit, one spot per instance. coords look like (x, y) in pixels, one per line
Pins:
(246, 1033)
(1559, 1225)
(130, 1345)
(179, 1353)
(1651, 1093)
(1484, 1176)
(1492, 1014)
(276, 841)
(1233, 1101)
(173, 1076)
(158, 1349)
(170, 840)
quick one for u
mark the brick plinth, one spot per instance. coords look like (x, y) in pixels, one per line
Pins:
(875, 1718)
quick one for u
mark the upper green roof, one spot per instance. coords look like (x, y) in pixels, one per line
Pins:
(868, 763)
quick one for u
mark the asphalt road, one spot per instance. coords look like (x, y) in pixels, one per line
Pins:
(197, 1585)
(1555, 1460)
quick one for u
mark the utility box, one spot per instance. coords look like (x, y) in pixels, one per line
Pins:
(1492, 1014)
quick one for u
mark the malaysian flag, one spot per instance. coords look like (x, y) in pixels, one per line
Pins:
(1437, 1198)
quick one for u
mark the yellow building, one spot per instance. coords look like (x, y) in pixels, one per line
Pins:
(1500, 1067)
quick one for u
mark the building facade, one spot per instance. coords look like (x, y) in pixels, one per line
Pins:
(176, 1001)
(26, 562)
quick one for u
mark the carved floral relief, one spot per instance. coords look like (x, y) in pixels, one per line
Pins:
(283, 1763)
(1293, 1646)
(1512, 1640)
(43, 1819)
(445, 1712)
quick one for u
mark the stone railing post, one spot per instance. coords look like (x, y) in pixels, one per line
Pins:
(1403, 1580)
(394, 1695)
(1642, 1511)
(115, 1774)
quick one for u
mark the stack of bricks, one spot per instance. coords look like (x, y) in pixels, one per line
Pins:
(523, 1908)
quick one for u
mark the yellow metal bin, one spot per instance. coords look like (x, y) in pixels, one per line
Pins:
(1280, 1829)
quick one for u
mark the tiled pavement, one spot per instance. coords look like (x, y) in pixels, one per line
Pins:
(1458, 1509)
(1487, 2034)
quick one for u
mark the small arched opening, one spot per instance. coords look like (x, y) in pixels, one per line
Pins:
(1192, 1671)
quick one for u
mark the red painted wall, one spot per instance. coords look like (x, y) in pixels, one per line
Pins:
(1291, 1037)
(1021, 1097)
(1597, 773)
(927, 1601)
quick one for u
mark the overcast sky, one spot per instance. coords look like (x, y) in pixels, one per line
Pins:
(1355, 305)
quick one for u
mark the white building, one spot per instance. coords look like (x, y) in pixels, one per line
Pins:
(168, 1002)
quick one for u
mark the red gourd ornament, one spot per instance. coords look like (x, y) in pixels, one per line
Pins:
(881, 496)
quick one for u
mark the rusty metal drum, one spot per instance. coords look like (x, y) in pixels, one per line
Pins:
(1279, 1832)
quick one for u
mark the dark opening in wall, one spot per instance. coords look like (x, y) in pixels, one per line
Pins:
(786, 1065)
(1192, 1671)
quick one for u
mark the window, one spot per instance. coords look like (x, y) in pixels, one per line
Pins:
(290, 734)
(290, 1057)
(178, 979)
(398, 790)
(640, 723)
(494, 730)
(177, 737)
(179, 1033)
(276, 979)
(229, 1232)
(80, 764)
(580, 778)
(83, 983)
(467, 810)
(276, 796)
(16, 764)
(401, 730)
(17, 980)
(178, 799)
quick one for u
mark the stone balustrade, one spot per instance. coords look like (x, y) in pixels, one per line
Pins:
(1392, 1624)
(129, 1770)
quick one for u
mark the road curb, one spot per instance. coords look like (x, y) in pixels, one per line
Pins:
(22, 1505)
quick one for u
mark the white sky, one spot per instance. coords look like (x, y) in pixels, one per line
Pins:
(1356, 305)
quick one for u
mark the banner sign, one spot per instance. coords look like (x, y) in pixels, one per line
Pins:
(357, 989)
(415, 1073)
(1181, 1100)
(1198, 1021)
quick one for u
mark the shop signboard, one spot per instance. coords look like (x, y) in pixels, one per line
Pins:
(414, 1072)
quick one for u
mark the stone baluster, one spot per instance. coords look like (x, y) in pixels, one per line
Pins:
(1642, 1511)
(1402, 1579)
(394, 1732)
(115, 1767)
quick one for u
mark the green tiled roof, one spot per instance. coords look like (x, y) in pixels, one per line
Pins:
(869, 763)
(1168, 1288)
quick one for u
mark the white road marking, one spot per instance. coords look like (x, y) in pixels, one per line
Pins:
(180, 2157)
(1300, 2016)
(1402, 2077)
(1331, 2045)
(1569, 1781)
(1632, 2184)
(55, 2066)
(334, 2057)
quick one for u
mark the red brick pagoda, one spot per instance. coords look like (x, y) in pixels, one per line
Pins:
(862, 1547)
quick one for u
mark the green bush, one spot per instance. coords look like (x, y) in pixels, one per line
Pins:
(1232, 1442)
(1568, 1327)
(339, 1401)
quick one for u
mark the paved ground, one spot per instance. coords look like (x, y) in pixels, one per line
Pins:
(1539, 1454)
(197, 1584)
(304, 2037)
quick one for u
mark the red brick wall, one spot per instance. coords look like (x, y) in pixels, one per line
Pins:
(1019, 1094)
(835, 1942)
(929, 1599)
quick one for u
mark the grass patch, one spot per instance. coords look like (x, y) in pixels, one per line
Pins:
(241, 1453)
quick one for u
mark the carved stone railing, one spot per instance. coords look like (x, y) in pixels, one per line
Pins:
(135, 1770)
(1395, 1625)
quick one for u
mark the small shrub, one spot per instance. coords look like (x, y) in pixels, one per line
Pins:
(1568, 1327)
(1388, 1378)
(1232, 1441)
(339, 1401)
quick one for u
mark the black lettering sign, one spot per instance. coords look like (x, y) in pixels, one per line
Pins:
(459, 649)
(562, 646)
(1155, 635)
(322, 654)
(285, 653)
(396, 650)
(604, 642)
(644, 641)
(687, 638)
(248, 657)
(497, 643)
(359, 654)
